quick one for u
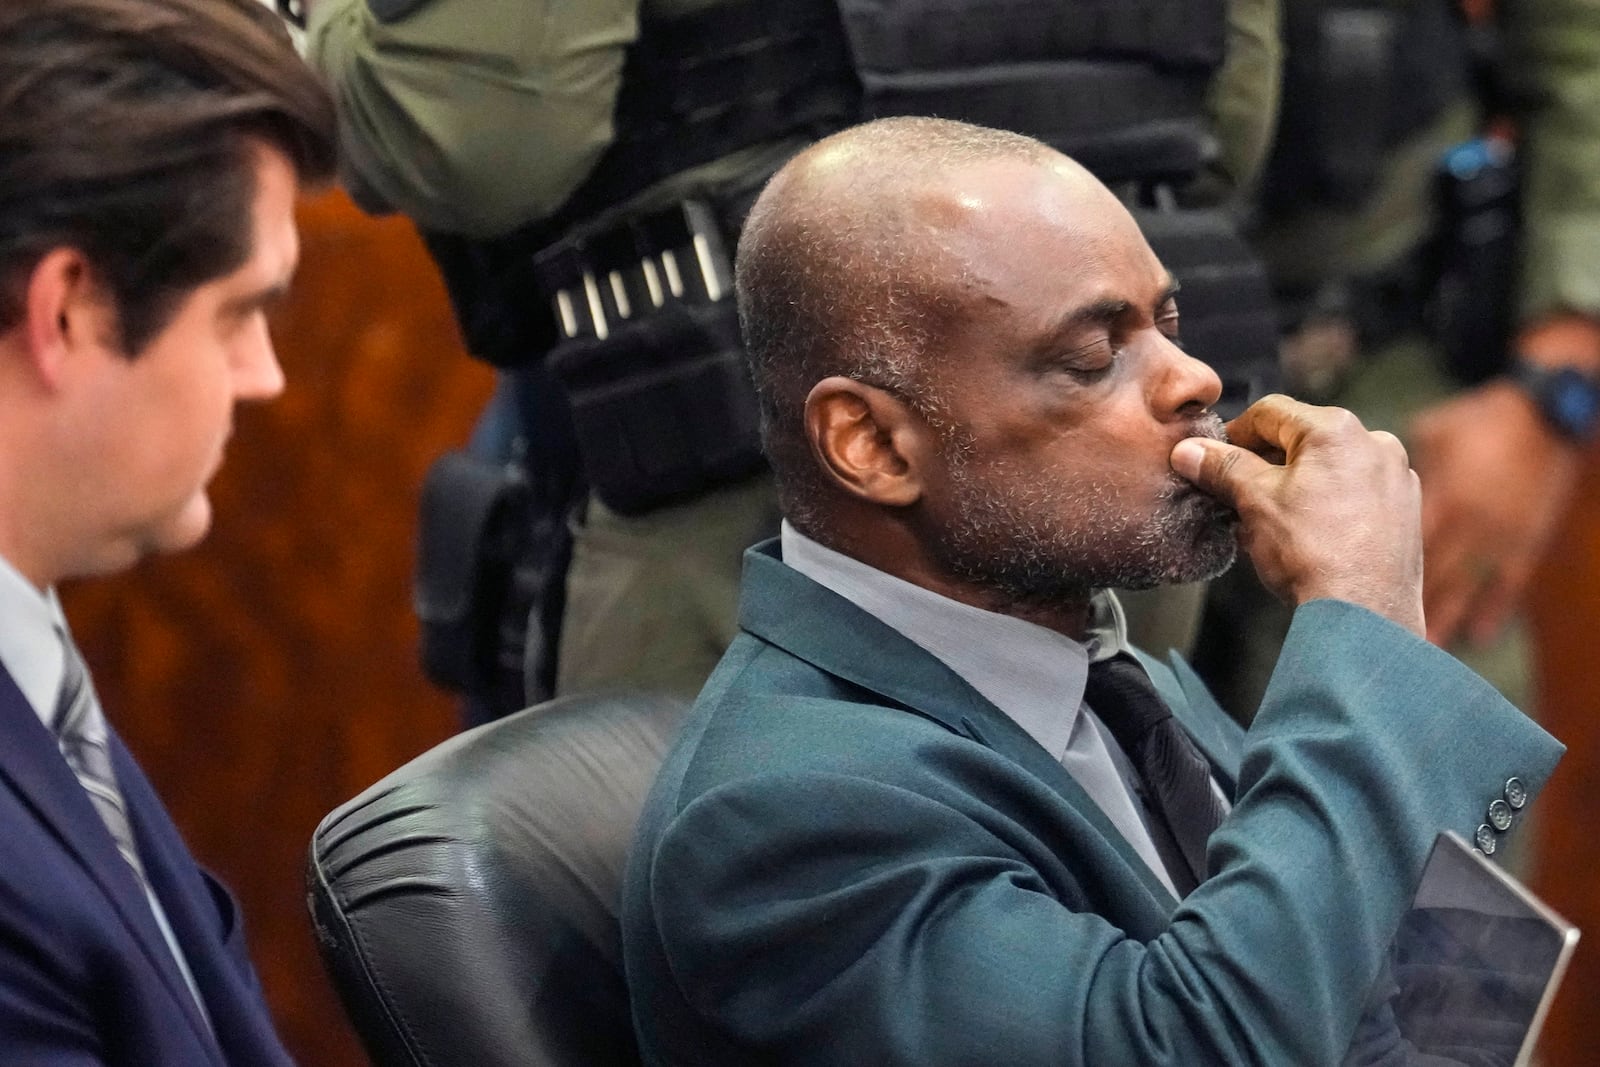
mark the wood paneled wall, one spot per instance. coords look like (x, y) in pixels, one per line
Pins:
(271, 674)
(1566, 613)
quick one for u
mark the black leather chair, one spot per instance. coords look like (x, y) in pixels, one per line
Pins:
(466, 905)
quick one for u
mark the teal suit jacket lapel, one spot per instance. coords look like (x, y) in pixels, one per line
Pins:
(784, 608)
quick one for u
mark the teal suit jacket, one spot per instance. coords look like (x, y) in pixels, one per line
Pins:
(853, 858)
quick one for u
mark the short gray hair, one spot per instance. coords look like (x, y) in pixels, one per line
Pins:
(832, 280)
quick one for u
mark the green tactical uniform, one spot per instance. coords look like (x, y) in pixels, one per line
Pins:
(475, 116)
(1554, 60)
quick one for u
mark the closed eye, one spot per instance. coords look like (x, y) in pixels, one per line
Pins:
(1167, 323)
(1090, 362)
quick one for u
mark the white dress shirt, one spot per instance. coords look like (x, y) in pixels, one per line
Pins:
(1034, 675)
(33, 651)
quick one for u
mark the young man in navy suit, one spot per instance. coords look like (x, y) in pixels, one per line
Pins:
(151, 152)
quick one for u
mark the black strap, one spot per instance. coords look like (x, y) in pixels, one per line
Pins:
(1122, 119)
(954, 34)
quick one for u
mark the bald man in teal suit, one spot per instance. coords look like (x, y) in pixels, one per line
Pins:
(906, 824)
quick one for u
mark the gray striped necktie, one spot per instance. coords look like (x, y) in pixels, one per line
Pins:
(82, 733)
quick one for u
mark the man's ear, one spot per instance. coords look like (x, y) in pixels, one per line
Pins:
(870, 441)
(63, 309)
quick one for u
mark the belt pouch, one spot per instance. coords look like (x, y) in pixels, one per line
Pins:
(475, 520)
(663, 406)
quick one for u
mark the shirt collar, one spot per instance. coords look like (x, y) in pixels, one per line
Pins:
(31, 630)
(1033, 674)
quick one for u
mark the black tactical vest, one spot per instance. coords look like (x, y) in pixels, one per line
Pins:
(1360, 77)
(1118, 85)
(661, 406)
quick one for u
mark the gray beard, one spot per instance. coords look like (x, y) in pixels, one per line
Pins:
(1010, 537)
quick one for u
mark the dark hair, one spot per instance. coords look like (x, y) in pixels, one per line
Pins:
(127, 131)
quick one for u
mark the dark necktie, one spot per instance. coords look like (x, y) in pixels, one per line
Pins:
(84, 739)
(1176, 777)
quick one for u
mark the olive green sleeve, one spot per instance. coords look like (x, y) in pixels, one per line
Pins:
(1556, 47)
(472, 116)
(1243, 100)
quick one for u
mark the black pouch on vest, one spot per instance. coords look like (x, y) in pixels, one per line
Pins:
(475, 521)
(1225, 306)
(663, 406)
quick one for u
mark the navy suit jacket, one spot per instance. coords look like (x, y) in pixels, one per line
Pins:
(85, 974)
(851, 857)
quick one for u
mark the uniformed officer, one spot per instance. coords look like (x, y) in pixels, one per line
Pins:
(524, 137)
(1384, 118)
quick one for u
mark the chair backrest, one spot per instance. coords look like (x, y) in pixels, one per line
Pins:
(466, 905)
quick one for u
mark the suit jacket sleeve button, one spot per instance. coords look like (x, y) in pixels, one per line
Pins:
(1500, 815)
(1485, 840)
(1516, 793)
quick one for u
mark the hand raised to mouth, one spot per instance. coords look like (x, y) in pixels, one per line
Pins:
(1327, 508)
